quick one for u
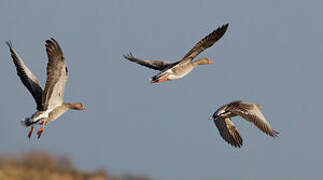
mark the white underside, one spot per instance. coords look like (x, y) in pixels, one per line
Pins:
(177, 76)
(41, 116)
(45, 114)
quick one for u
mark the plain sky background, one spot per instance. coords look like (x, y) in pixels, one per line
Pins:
(271, 54)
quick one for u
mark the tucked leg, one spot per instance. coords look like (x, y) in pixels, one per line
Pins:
(41, 129)
(163, 78)
(160, 78)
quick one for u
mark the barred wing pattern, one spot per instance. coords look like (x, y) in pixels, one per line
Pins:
(252, 113)
(228, 131)
(56, 75)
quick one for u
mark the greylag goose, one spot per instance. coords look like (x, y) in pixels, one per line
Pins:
(49, 101)
(177, 70)
(249, 111)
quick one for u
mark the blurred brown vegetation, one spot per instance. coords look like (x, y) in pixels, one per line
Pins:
(130, 177)
(39, 165)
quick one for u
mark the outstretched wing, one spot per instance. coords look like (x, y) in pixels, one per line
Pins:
(153, 64)
(27, 77)
(56, 75)
(228, 131)
(205, 43)
(252, 113)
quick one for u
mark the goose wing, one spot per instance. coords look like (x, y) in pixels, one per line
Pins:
(27, 77)
(56, 75)
(228, 131)
(252, 113)
(153, 64)
(205, 43)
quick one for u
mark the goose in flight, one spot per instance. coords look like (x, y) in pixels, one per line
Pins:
(248, 111)
(49, 101)
(176, 70)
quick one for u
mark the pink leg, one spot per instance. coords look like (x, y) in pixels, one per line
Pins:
(41, 129)
(30, 132)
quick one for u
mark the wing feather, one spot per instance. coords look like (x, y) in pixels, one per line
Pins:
(252, 113)
(228, 131)
(205, 43)
(27, 77)
(56, 75)
(153, 64)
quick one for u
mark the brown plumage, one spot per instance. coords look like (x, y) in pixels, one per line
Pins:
(27, 77)
(249, 111)
(49, 102)
(179, 69)
(56, 76)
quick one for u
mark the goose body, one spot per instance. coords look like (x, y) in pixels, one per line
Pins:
(248, 111)
(172, 73)
(49, 101)
(179, 69)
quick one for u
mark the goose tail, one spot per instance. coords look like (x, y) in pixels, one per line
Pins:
(27, 122)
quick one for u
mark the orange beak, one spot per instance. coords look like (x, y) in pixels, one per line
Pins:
(259, 106)
(211, 62)
(82, 108)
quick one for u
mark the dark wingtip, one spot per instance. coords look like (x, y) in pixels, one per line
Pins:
(225, 27)
(127, 56)
(48, 42)
(9, 44)
(51, 41)
(237, 145)
(276, 133)
(55, 42)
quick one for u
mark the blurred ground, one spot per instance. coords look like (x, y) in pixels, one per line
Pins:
(39, 165)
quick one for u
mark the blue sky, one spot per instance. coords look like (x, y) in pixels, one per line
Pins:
(271, 54)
